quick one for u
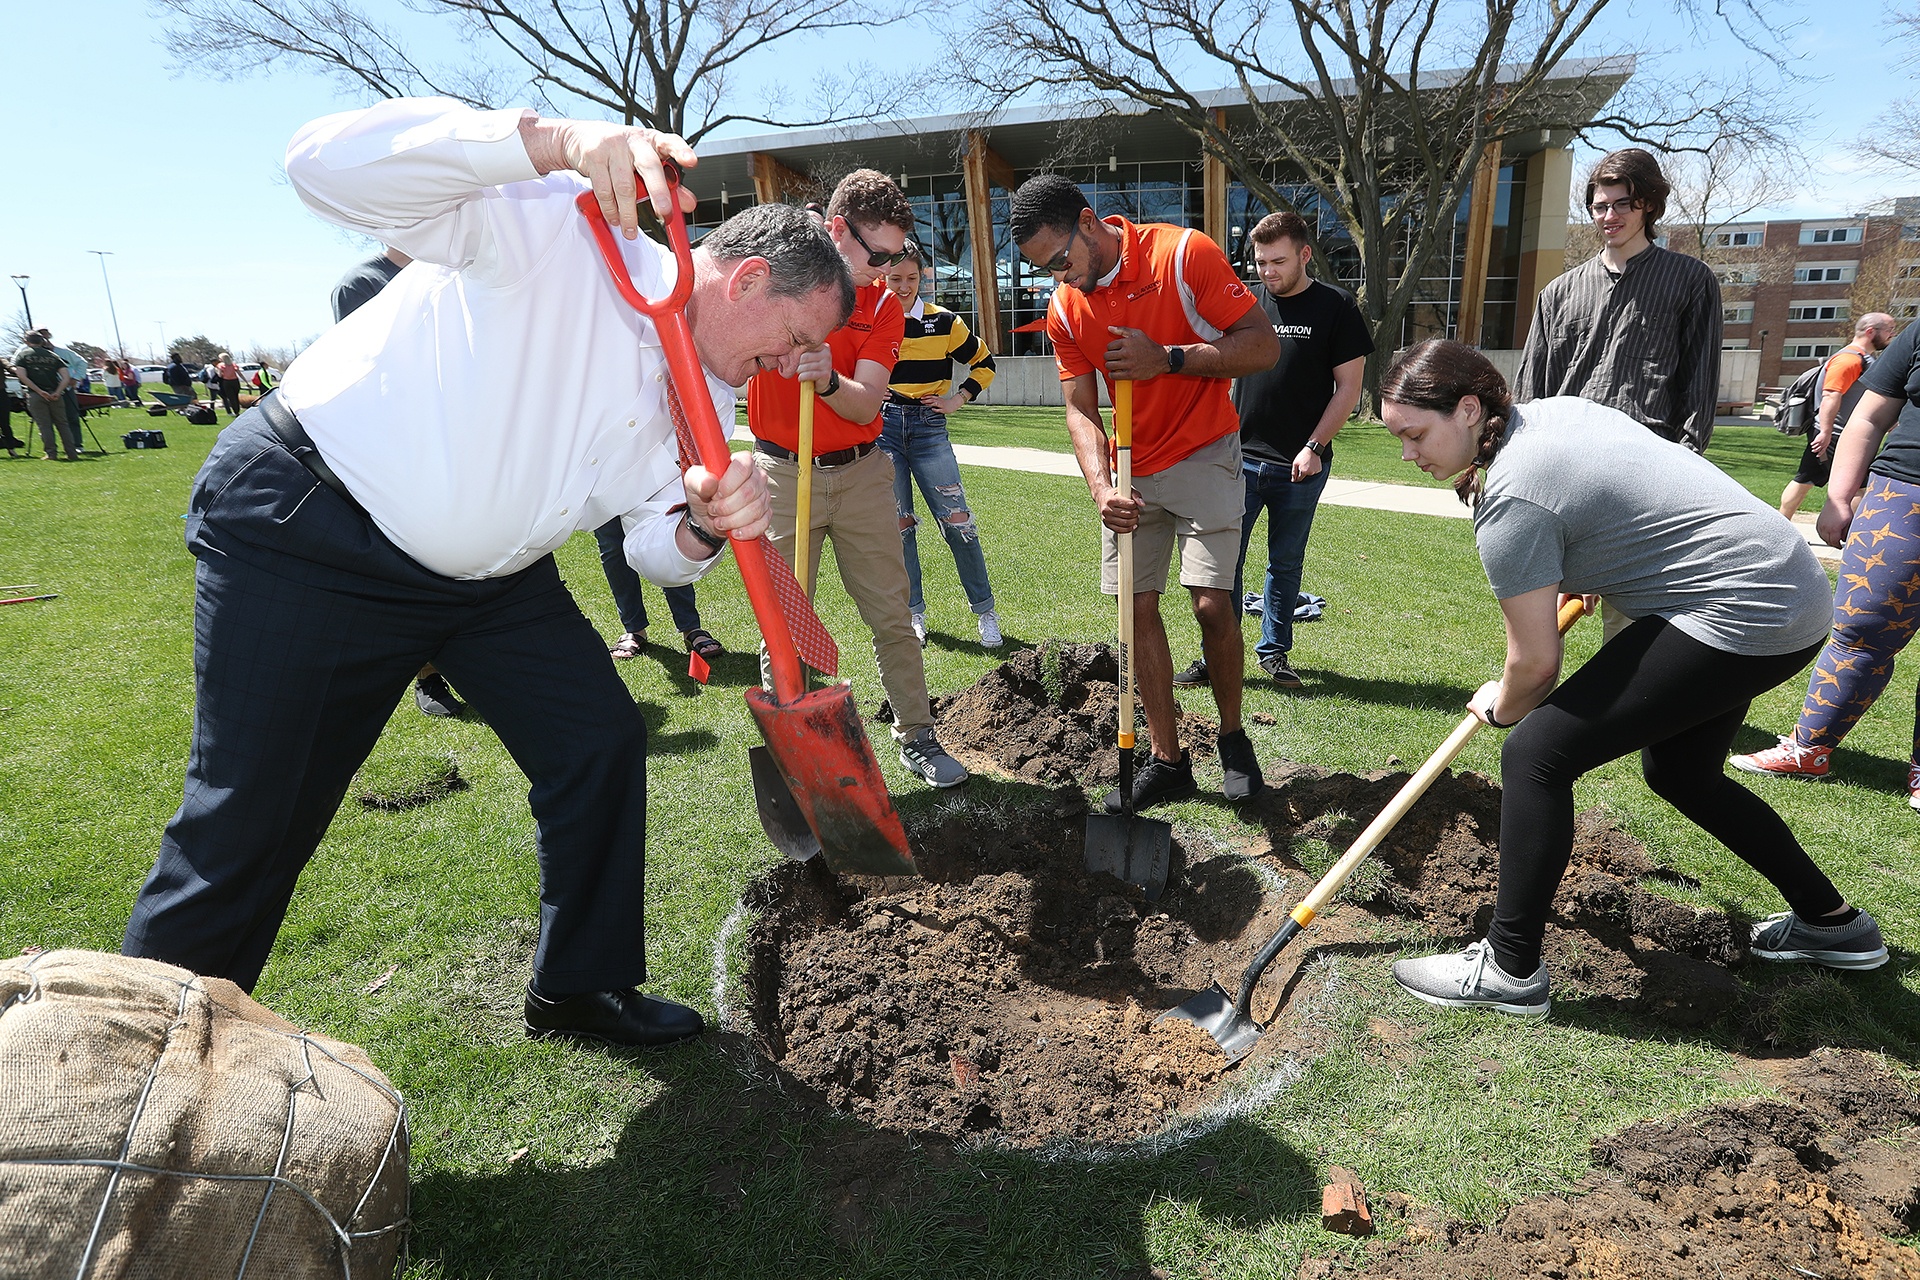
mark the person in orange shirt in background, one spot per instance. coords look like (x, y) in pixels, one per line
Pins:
(852, 487)
(1840, 389)
(1161, 306)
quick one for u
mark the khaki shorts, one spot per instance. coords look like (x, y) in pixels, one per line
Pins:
(1199, 501)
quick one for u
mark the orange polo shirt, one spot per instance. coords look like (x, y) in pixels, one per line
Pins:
(873, 332)
(1176, 285)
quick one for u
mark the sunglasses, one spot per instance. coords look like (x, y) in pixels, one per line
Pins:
(878, 259)
(1060, 261)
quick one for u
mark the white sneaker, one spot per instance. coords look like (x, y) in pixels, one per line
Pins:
(990, 637)
(920, 628)
(1913, 787)
(1473, 979)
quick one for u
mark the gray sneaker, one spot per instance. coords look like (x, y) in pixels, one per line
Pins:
(1473, 979)
(928, 761)
(1854, 945)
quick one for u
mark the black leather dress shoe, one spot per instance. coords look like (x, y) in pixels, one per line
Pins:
(622, 1017)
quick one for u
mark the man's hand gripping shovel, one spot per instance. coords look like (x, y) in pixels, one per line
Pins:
(816, 783)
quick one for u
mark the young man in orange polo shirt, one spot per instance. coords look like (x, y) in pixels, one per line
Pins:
(1161, 306)
(869, 221)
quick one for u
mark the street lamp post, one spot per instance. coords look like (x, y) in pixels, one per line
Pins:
(162, 326)
(110, 311)
(20, 282)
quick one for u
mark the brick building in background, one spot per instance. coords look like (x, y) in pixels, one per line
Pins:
(1792, 289)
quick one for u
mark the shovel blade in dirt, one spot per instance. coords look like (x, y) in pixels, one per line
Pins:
(1131, 848)
(819, 751)
(1213, 1012)
(780, 814)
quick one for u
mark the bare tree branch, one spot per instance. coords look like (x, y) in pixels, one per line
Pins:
(1346, 102)
(660, 63)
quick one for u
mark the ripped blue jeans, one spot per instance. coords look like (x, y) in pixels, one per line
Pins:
(915, 437)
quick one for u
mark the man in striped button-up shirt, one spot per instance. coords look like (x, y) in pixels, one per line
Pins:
(1637, 328)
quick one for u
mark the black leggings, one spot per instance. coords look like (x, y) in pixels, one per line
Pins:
(1654, 689)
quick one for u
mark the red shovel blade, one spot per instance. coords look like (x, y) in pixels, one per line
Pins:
(821, 749)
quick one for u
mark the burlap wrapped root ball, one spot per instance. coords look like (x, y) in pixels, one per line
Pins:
(158, 1124)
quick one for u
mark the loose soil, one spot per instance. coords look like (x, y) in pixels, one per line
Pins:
(1810, 1184)
(1009, 994)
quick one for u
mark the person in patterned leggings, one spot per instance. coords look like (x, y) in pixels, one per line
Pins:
(1873, 509)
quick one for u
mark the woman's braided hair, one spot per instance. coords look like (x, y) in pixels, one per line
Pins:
(1437, 374)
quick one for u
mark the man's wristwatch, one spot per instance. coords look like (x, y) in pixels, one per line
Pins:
(833, 383)
(1319, 449)
(1176, 359)
(714, 542)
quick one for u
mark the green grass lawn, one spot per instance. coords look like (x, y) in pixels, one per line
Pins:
(1758, 457)
(697, 1161)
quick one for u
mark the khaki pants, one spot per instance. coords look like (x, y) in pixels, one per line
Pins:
(51, 416)
(854, 506)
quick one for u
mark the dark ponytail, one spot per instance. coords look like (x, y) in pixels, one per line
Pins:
(1437, 374)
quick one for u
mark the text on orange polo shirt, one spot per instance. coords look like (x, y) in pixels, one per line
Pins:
(873, 332)
(1176, 286)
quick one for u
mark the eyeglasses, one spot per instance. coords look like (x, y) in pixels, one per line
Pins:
(1602, 209)
(1062, 260)
(877, 259)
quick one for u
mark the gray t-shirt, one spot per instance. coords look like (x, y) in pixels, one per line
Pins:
(1580, 495)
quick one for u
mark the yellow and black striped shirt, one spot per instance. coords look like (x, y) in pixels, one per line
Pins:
(935, 338)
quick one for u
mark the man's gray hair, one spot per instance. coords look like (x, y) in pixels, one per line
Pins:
(802, 256)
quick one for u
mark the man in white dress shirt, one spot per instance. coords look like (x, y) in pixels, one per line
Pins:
(398, 502)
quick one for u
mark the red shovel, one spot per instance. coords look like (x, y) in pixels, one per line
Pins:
(824, 790)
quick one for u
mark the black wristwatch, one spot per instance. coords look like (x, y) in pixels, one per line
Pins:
(1319, 449)
(833, 383)
(1176, 359)
(714, 542)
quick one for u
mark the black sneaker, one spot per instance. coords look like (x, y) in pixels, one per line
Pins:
(1283, 675)
(1159, 782)
(434, 696)
(1193, 677)
(1242, 768)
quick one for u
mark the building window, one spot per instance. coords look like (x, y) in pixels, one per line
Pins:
(1737, 276)
(1737, 239)
(1910, 231)
(1819, 311)
(1733, 344)
(1906, 311)
(1907, 271)
(1809, 350)
(1737, 313)
(1825, 273)
(1830, 235)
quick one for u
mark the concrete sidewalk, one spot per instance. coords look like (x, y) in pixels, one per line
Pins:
(1376, 495)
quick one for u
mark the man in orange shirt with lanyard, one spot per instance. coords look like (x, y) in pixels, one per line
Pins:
(1161, 306)
(852, 489)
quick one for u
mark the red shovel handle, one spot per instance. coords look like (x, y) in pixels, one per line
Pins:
(683, 365)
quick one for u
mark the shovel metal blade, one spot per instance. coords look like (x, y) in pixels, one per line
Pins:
(819, 748)
(780, 815)
(1213, 1012)
(1131, 848)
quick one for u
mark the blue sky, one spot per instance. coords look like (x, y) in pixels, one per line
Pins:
(179, 176)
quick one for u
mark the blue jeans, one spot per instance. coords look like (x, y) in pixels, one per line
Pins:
(625, 584)
(915, 437)
(1289, 509)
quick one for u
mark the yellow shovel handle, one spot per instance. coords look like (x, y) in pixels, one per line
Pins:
(1123, 480)
(803, 503)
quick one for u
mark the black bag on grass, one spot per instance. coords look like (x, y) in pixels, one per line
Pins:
(156, 411)
(200, 415)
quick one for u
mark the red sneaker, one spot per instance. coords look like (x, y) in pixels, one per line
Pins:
(1788, 760)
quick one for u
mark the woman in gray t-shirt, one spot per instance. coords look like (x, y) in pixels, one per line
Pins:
(1727, 600)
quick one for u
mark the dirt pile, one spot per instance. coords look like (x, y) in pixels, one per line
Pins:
(1610, 938)
(1009, 993)
(1049, 715)
(1809, 1185)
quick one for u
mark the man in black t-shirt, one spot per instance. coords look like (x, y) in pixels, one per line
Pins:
(358, 286)
(1289, 415)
